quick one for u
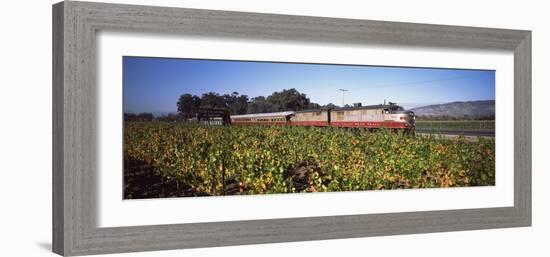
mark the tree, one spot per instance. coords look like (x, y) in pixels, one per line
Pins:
(313, 106)
(130, 117)
(288, 100)
(187, 105)
(258, 105)
(169, 117)
(196, 102)
(144, 116)
(213, 100)
(330, 106)
(237, 104)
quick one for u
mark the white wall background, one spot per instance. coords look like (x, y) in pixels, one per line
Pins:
(25, 127)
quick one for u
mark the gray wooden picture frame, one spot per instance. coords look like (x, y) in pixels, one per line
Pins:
(75, 25)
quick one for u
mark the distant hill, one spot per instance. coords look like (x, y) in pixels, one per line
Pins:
(470, 109)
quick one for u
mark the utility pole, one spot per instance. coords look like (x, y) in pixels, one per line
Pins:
(343, 92)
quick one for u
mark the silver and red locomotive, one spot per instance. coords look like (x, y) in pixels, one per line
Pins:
(390, 116)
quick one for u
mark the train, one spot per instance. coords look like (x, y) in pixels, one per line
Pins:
(391, 116)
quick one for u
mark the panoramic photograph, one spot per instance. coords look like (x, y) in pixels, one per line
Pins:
(198, 127)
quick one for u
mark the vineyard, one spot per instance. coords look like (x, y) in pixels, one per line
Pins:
(192, 160)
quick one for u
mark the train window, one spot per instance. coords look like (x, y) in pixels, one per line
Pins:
(339, 115)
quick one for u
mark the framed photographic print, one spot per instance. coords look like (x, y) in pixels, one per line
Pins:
(182, 128)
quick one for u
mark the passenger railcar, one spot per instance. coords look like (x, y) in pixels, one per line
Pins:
(314, 118)
(272, 118)
(390, 116)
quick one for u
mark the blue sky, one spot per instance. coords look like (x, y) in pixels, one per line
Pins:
(155, 84)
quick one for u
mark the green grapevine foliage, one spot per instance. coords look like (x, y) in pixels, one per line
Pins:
(284, 159)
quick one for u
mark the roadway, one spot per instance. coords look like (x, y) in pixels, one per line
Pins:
(451, 132)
